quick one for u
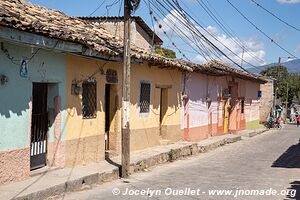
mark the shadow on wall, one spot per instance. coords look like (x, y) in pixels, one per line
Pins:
(294, 191)
(14, 101)
(16, 93)
(290, 158)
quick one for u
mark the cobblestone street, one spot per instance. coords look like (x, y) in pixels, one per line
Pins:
(270, 161)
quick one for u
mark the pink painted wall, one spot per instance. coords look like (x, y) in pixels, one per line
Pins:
(249, 90)
(200, 121)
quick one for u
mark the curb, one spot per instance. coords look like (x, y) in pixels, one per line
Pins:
(72, 185)
(87, 182)
(179, 153)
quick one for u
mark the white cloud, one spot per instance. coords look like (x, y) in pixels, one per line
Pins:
(279, 37)
(297, 49)
(254, 50)
(288, 1)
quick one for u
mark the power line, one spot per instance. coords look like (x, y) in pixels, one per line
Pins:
(174, 26)
(192, 37)
(233, 37)
(97, 8)
(262, 32)
(186, 16)
(173, 44)
(283, 21)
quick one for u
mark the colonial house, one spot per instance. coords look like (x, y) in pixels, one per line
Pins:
(219, 99)
(60, 86)
(61, 92)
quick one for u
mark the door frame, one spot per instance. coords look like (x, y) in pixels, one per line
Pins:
(162, 89)
(110, 109)
(39, 126)
(226, 115)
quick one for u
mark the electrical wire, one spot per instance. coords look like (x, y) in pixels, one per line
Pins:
(232, 36)
(281, 20)
(191, 37)
(187, 17)
(97, 8)
(261, 31)
(182, 35)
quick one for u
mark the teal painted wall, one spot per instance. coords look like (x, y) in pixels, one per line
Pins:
(46, 66)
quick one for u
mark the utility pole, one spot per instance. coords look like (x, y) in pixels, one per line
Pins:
(242, 61)
(276, 87)
(287, 95)
(126, 95)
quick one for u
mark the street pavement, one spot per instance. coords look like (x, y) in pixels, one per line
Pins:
(263, 167)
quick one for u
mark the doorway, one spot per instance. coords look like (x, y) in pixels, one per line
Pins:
(39, 126)
(162, 111)
(226, 115)
(111, 129)
(209, 109)
(233, 115)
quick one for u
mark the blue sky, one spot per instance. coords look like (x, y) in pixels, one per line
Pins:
(260, 46)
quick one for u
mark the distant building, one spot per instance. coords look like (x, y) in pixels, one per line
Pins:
(266, 100)
(141, 34)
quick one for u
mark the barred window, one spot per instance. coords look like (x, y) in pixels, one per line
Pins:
(145, 98)
(89, 99)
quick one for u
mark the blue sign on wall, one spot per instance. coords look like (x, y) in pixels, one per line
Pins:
(259, 94)
(23, 68)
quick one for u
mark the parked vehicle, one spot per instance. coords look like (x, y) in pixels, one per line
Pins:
(273, 124)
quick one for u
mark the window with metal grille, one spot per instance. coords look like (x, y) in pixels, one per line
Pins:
(89, 99)
(145, 98)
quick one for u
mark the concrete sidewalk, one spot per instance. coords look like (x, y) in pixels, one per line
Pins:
(56, 182)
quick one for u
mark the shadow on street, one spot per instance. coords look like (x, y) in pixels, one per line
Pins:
(294, 186)
(290, 158)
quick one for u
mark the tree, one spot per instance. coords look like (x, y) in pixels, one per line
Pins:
(284, 81)
(168, 53)
(277, 72)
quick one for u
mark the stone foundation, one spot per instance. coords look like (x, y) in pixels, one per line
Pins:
(150, 137)
(84, 150)
(14, 165)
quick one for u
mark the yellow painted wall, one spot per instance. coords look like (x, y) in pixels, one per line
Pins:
(85, 142)
(144, 127)
(155, 76)
(79, 69)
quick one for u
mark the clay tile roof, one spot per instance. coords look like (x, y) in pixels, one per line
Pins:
(24, 16)
(225, 69)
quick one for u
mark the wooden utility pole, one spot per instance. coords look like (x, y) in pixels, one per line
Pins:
(276, 85)
(287, 96)
(126, 95)
(242, 61)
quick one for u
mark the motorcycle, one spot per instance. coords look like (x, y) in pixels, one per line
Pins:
(273, 124)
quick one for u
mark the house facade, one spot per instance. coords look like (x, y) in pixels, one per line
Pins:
(62, 92)
(216, 103)
(20, 110)
(154, 110)
(61, 84)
